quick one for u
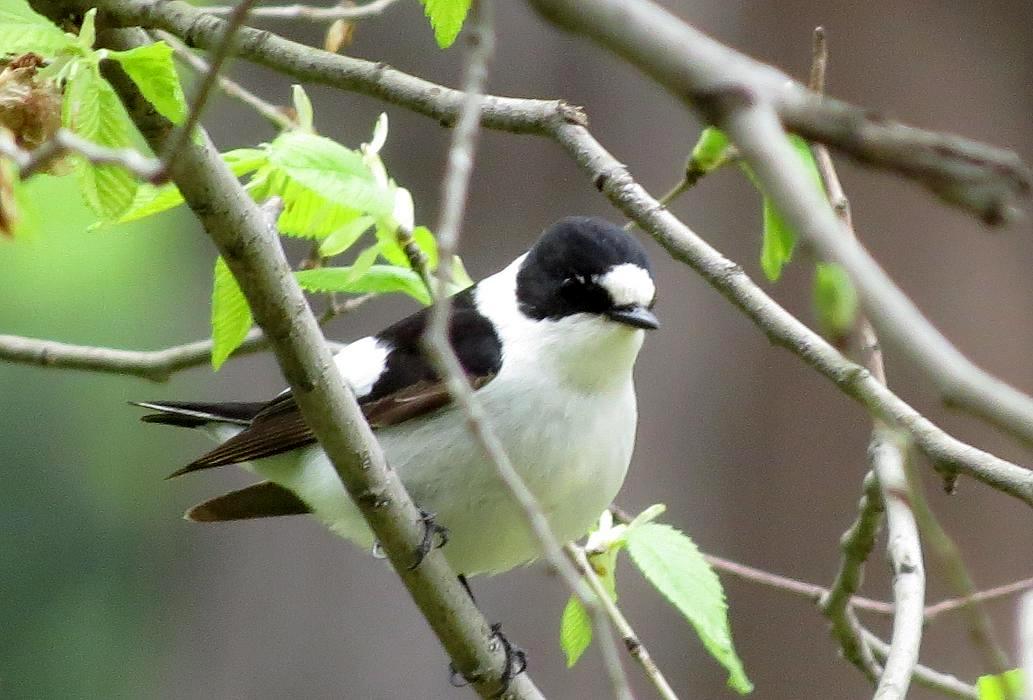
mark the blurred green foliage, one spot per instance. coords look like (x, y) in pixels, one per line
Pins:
(81, 546)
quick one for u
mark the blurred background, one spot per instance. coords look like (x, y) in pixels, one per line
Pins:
(106, 592)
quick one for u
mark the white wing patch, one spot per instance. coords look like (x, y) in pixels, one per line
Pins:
(362, 363)
(628, 285)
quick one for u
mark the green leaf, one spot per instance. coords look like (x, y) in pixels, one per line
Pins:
(446, 18)
(378, 279)
(343, 238)
(835, 300)
(88, 29)
(779, 239)
(305, 213)
(429, 245)
(151, 200)
(93, 111)
(303, 108)
(460, 277)
(22, 30)
(152, 69)
(330, 170)
(675, 567)
(575, 630)
(389, 247)
(710, 152)
(1005, 686)
(231, 315)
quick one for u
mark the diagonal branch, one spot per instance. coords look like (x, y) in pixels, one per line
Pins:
(310, 13)
(254, 255)
(979, 177)
(64, 141)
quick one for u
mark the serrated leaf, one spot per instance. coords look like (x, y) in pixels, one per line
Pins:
(231, 315)
(305, 213)
(446, 18)
(835, 300)
(151, 199)
(93, 111)
(152, 69)
(709, 153)
(332, 171)
(378, 279)
(672, 563)
(23, 30)
(343, 238)
(1005, 686)
(575, 630)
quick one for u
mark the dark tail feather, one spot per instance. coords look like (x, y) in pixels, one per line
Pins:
(263, 500)
(186, 414)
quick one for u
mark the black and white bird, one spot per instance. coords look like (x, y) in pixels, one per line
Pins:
(549, 343)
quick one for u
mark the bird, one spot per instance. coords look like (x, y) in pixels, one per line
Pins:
(549, 344)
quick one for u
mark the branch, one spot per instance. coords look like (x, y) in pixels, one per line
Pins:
(925, 676)
(631, 640)
(232, 88)
(222, 51)
(712, 77)
(987, 175)
(64, 141)
(155, 365)
(857, 543)
(310, 13)
(886, 457)
(253, 254)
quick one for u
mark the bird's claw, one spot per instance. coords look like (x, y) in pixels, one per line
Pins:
(516, 663)
(434, 536)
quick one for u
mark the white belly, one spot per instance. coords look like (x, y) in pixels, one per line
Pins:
(572, 453)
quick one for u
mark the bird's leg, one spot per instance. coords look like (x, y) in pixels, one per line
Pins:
(516, 658)
(434, 536)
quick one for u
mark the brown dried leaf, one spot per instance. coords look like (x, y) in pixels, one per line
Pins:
(29, 107)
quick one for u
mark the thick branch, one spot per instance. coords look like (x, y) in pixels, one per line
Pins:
(256, 259)
(712, 77)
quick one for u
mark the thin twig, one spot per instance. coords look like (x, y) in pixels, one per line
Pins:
(232, 88)
(64, 141)
(310, 13)
(627, 633)
(155, 365)
(856, 544)
(223, 50)
(886, 457)
(438, 348)
(923, 675)
(980, 627)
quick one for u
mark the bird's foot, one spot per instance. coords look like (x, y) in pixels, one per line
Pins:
(516, 662)
(434, 537)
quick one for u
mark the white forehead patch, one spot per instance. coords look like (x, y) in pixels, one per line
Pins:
(628, 285)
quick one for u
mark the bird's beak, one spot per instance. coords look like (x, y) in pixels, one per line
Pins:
(635, 316)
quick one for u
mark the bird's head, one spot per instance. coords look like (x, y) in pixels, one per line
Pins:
(585, 265)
